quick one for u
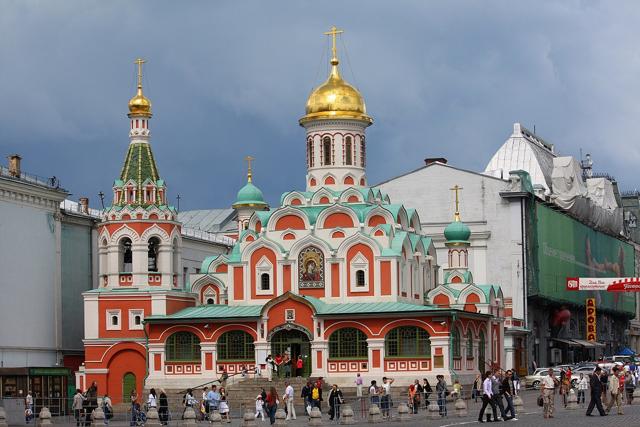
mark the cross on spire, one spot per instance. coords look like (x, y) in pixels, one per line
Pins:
(249, 159)
(333, 33)
(456, 188)
(139, 61)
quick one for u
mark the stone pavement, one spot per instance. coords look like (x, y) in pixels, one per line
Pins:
(529, 416)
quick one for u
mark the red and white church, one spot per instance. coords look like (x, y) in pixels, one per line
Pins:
(336, 274)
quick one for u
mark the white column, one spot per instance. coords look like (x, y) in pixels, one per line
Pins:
(140, 263)
(207, 347)
(165, 264)
(323, 347)
(443, 344)
(376, 344)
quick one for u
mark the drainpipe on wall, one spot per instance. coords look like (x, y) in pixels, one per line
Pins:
(453, 321)
(146, 348)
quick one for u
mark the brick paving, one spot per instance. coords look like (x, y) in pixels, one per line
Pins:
(530, 415)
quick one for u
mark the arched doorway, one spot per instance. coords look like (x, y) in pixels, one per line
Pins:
(295, 341)
(128, 384)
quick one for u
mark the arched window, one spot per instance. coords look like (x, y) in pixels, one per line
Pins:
(469, 344)
(265, 282)
(182, 347)
(363, 153)
(360, 278)
(236, 346)
(455, 343)
(310, 152)
(126, 256)
(154, 245)
(326, 148)
(175, 253)
(210, 301)
(348, 151)
(348, 343)
(481, 351)
(407, 341)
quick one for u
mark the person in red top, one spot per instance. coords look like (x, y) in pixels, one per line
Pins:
(299, 364)
(279, 365)
(271, 404)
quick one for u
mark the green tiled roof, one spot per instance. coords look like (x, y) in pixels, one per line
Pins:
(212, 311)
(323, 308)
(139, 167)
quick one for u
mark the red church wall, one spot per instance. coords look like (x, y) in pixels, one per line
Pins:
(140, 227)
(176, 304)
(368, 254)
(441, 300)
(286, 278)
(349, 181)
(338, 219)
(385, 277)
(312, 292)
(335, 280)
(292, 222)
(470, 303)
(124, 306)
(256, 256)
(222, 268)
(123, 362)
(304, 314)
(376, 220)
(238, 283)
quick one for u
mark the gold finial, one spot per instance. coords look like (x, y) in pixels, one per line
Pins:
(456, 216)
(334, 53)
(249, 159)
(140, 61)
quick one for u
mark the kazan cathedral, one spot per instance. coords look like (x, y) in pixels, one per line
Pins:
(337, 275)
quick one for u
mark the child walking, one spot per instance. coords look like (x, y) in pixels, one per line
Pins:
(259, 407)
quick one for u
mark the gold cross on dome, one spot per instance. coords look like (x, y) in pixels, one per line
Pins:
(333, 33)
(456, 188)
(249, 159)
(139, 61)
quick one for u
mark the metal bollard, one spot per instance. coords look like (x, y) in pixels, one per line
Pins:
(45, 417)
(281, 417)
(346, 415)
(375, 416)
(403, 412)
(189, 417)
(3, 417)
(249, 419)
(433, 411)
(152, 417)
(572, 401)
(461, 408)
(97, 417)
(315, 417)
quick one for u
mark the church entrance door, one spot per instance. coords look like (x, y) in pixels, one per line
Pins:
(295, 343)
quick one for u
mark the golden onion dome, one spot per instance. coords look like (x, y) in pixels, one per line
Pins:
(139, 105)
(335, 98)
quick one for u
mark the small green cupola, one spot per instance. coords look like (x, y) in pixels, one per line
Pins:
(457, 233)
(250, 195)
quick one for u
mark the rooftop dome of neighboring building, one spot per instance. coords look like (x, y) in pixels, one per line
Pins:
(457, 231)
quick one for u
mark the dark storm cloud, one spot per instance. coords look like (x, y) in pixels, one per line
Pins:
(231, 78)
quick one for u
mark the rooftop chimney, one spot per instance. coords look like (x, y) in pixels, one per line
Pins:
(84, 205)
(430, 160)
(14, 165)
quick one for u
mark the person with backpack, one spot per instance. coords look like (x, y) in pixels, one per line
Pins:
(107, 409)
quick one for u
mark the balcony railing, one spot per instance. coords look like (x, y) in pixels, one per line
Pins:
(53, 182)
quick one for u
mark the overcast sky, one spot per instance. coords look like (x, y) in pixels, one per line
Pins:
(231, 78)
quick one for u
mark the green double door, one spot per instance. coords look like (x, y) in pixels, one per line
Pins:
(296, 343)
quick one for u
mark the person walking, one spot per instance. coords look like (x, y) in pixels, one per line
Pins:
(305, 394)
(441, 391)
(316, 396)
(417, 396)
(259, 407)
(272, 404)
(214, 398)
(374, 396)
(508, 391)
(78, 400)
(548, 386)
(107, 409)
(476, 390)
(358, 382)
(163, 407)
(615, 397)
(335, 400)
(427, 390)
(28, 402)
(604, 378)
(583, 385)
(270, 367)
(496, 380)
(288, 394)
(225, 413)
(299, 366)
(90, 402)
(516, 381)
(487, 399)
(596, 393)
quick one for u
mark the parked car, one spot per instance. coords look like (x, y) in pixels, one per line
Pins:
(584, 369)
(535, 379)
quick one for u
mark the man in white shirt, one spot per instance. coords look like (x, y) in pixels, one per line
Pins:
(549, 383)
(487, 398)
(288, 394)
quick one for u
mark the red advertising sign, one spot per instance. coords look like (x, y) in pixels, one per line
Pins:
(609, 284)
(591, 319)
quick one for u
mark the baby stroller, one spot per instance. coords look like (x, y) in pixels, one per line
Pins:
(138, 417)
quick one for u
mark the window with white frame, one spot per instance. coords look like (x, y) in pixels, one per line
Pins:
(264, 277)
(136, 317)
(113, 320)
(209, 296)
(359, 268)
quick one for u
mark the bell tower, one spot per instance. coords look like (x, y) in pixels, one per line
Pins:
(335, 122)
